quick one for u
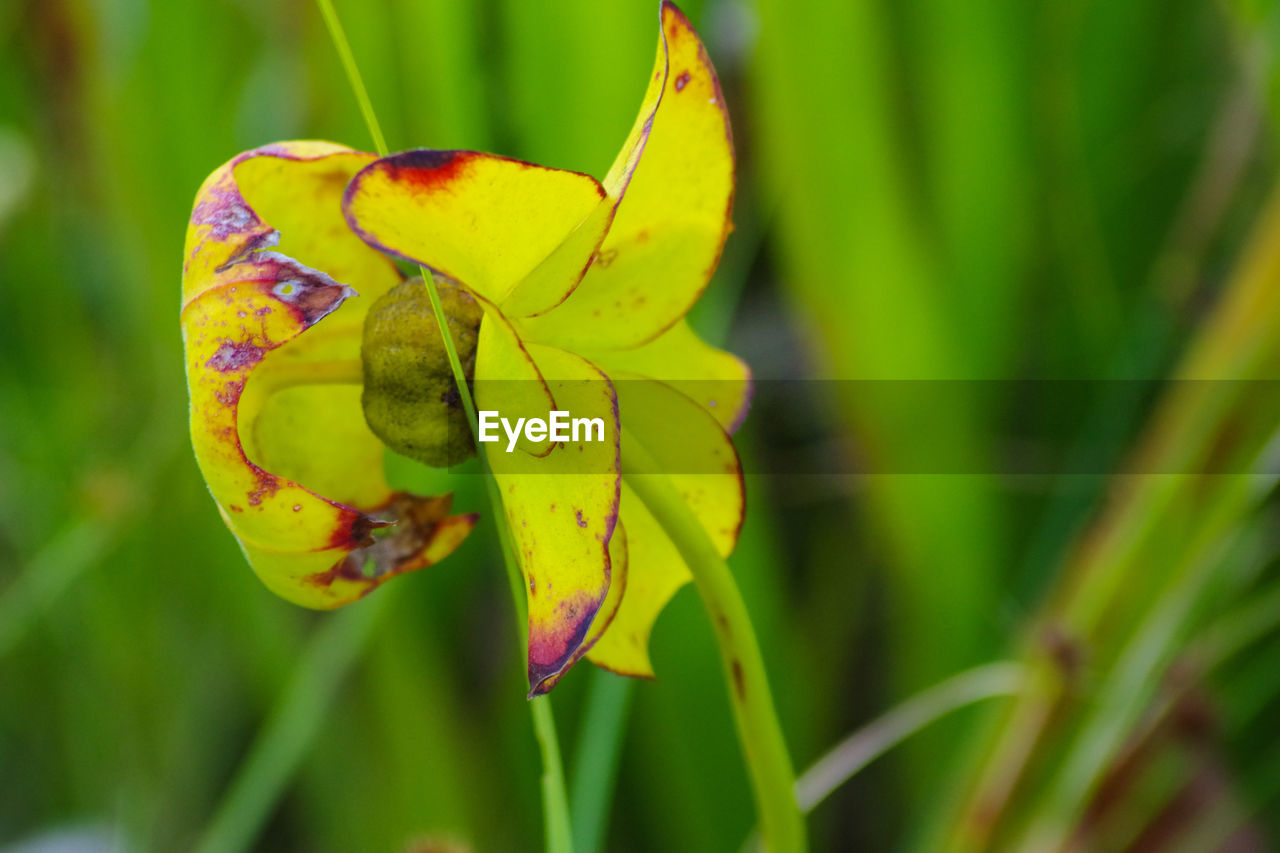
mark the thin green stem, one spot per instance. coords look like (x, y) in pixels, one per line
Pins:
(339, 38)
(555, 802)
(558, 828)
(847, 758)
(595, 760)
(763, 747)
(876, 738)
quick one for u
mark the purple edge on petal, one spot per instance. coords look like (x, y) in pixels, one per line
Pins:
(542, 678)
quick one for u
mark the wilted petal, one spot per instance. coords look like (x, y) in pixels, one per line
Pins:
(423, 534)
(257, 433)
(672, 222)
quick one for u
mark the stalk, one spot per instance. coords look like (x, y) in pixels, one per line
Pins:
(555, 801)
(763, 747)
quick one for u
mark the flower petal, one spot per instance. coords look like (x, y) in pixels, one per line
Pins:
(690, 448)
(619, 569)
(561, 509)
(507, 380)
(671, 224)
(490, 222)
(655, 572)
(244, 310)
(719, 381)
(423, 535)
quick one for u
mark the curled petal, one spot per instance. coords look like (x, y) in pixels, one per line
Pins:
(673, 219)
(264, 416)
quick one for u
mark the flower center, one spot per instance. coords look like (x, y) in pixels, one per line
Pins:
(410, 398)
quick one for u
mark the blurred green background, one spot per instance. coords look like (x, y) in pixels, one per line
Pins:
(1032, 201)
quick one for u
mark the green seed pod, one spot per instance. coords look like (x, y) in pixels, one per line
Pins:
(410, 399)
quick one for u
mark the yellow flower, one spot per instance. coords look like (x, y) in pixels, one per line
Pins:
(584, 286)
(276, 418)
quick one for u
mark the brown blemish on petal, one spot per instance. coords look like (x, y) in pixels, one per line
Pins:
(739, 681)
(417, 523)
(356, 531)
(682, 81)
(267, 486)
(606, 257)
(582, 522)
(311, 296)
(348, 568)
(225, 212)
(230, 393)
(234, 356)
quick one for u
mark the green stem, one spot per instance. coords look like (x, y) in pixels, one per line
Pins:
(876, 738)
(555, 803)
(595, 759)
(763, 747)
(340, 44)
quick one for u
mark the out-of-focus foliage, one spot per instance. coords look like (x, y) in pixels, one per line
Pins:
(998, 193)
